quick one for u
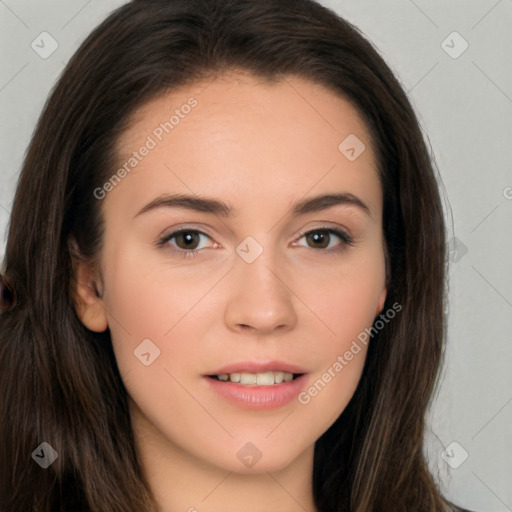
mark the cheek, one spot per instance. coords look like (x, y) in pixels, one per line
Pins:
(145, 300)
(346, 299)
(329, 391)
(341, 350)
(156, 321)
(346, 303)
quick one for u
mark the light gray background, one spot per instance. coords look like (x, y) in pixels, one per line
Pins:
(465, 107)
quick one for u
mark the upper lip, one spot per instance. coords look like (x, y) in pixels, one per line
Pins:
(258, 367)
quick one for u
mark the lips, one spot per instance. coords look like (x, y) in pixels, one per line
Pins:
(257, 385)
(258, 367)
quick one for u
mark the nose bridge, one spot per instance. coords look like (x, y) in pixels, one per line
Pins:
(259, 297)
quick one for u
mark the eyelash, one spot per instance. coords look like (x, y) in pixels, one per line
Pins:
(344, 237)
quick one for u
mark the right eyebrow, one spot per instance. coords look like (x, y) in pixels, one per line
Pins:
(196, 203)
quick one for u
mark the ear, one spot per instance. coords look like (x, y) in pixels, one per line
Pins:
(87, 300)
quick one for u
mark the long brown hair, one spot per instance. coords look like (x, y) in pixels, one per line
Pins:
(59, 381)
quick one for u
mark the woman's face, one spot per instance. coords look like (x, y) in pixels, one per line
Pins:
(258, 284)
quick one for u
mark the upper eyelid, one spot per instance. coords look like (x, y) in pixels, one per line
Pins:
(324, 224)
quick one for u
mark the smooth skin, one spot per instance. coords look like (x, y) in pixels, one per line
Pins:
(259, 148)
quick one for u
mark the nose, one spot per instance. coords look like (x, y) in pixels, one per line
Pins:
(260, 298)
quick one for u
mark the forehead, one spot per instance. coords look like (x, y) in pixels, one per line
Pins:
(242, 96)
(241, 135)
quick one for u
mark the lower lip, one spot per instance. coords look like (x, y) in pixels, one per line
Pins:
(257, 397)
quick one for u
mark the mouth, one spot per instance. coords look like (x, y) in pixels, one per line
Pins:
(257, 385)
(268, 378)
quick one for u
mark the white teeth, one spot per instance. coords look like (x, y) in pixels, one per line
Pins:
(278, 377)
(265, 379)
(248, 378)
(257, 379)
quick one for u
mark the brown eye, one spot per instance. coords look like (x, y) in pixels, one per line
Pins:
(187, 239)
(185, 242)
(323, 238)
(318, 239)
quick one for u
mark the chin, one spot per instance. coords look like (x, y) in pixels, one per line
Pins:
(249, 460)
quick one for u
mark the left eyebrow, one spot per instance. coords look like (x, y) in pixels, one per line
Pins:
(326, 201)
(209, 205)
